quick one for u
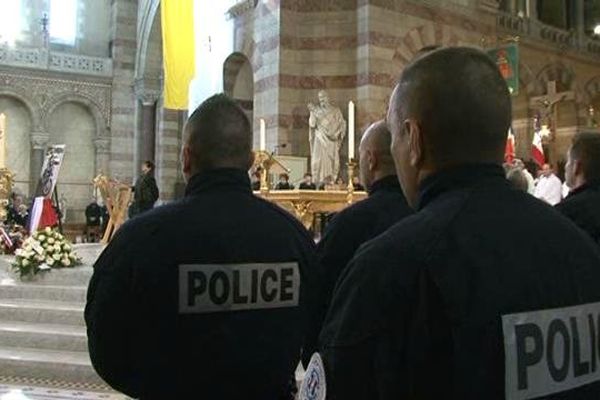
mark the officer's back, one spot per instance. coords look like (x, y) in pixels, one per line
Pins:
(582, 173)
(205, 297)
(362, 221)
(450, 303)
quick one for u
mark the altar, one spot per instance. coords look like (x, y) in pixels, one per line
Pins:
(305, 204)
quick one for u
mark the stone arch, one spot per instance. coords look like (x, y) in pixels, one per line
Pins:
(590, 104)
(147, 20)
(20, 125)
(591, 90)
(74, 124)
(100, 120)
(34, 111)
(238, 81)
(425, 35)
(556, 71)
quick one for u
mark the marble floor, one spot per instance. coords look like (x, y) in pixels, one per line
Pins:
(16, 392)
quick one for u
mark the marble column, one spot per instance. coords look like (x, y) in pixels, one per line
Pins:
(579, 21)
(102, 146)
(532, 9)
(39, 142)
(147, 144)
(147, 93)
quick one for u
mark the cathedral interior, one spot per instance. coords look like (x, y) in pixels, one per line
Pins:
(89, 74)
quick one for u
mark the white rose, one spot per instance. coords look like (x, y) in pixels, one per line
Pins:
(25, 262)
(66, 262)
(56, 257)
(57, 247)
(39, 258)
(50, 240)
(66, 247)
(41, 238)
(48, 230)
(49, 261)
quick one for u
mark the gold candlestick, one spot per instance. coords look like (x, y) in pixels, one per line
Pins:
(264, 160)
(350, 188)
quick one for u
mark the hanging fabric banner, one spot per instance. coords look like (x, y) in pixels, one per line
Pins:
(177, 18)
(507, 59)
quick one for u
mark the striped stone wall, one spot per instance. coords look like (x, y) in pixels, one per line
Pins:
(168, 150)
(124, 20)
(353, 49)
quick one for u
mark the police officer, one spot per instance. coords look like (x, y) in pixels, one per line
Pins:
(448, 303)
(204, 298)
(362, 221)
(582, 174)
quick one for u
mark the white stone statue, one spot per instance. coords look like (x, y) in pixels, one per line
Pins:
(327, 129)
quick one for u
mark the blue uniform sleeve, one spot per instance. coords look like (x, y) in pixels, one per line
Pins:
(108, 316)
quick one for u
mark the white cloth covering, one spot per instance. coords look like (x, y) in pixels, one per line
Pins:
(549, 189)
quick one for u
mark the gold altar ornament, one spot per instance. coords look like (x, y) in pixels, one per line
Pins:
(266, 161)
(116, 198)
(6, 182)
(6, 176)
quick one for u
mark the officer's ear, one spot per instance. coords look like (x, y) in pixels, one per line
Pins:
(577, 168)
(372, 159)
(186, 153)
(416, 149)
(250, 161)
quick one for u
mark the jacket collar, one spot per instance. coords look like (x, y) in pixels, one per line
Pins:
(387, 183)
(223, 178)
(453, 178)
(594, 185)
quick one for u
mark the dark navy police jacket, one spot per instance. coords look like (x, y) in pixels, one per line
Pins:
(582, 206)
(203, 298)
(349, 229)
(484, 293)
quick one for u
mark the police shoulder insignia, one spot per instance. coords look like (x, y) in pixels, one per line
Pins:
(314, 386)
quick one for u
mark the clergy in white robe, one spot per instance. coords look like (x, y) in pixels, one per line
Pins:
(549, 187)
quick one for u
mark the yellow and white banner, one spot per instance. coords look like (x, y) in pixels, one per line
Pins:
(177, 18)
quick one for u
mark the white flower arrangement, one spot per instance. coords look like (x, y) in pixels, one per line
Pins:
(43, 251)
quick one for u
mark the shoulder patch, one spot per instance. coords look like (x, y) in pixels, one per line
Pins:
(314, 386)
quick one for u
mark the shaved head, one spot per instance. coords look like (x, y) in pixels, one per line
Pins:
(376, 160)
(217, 135)
(450, 107)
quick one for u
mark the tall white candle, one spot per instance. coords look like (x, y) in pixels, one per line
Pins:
(350, 130)
(263, 135)
(2, 141)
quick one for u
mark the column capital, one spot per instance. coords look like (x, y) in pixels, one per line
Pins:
(39, 140)
(102, 145)
(147, 90)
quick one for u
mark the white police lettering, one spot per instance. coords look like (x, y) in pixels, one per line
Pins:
(551, 351)
(210, 288)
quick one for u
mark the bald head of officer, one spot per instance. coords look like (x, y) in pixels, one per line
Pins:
(217, 135)
(374, 151)
(438, 120)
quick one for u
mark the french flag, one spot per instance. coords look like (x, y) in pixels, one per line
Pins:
(537, 150)
(509, 152)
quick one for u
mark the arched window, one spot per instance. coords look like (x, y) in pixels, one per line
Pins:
(63, 21)
(10, 22)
